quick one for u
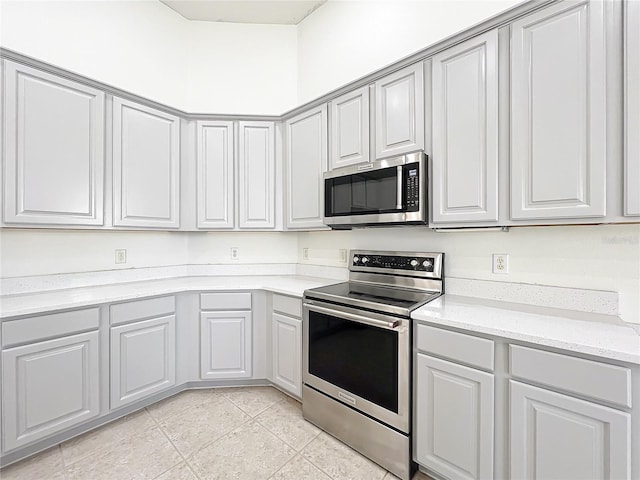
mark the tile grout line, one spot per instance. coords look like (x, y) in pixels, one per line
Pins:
(170, 443)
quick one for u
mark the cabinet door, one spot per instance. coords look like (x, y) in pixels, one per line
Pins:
(454, 419)
(306, 162)
(400, 112)
(146, 166)
(632, 109)
(465, 132)
(48, 387)
(287, 353)
(225, 345)
(558, 113)
(257, 175)
(142, 359)
(215, 174)
(350, 128)
(54, 149)
(555, 436)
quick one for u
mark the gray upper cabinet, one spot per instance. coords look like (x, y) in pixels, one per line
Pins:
(632, 109)
(399, 112)
(146, 166)
(306, 153)
(256, 155)
(558, 113)
(54, 149)
(215, 160)
(350, 128)
(465, 132)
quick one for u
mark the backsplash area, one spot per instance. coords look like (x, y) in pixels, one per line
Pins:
(596, 268)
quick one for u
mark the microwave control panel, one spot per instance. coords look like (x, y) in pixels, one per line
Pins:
(412, 183)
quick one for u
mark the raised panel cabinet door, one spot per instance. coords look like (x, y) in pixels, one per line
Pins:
(142, 359)
(48, 387)
(400, 112)
(350, 128)
(465, 131)
(225, 345)
(555, 436)
(256, 156)
(146, 166)
(54, 149)
(214, 159)
(632, 108)
(306, 149)
(454, 419)
(287, 353)
(558, 113)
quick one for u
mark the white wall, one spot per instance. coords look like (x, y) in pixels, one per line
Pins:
(146, 48)
(346, 39)
(604, 257)
(254, 247)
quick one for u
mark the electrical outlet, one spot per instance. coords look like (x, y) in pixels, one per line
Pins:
(235, 253)
(343, 255)
(305, 254)
(500, 263)
(121, 255)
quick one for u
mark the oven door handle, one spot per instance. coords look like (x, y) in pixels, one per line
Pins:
(374, 322)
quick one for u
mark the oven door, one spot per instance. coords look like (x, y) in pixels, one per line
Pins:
(360, 358)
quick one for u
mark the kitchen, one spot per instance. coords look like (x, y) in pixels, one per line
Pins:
(145, 48)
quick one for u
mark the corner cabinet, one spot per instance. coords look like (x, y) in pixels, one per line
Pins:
(465, 106)
(54, 149)
(350, 128)
(399, 112)
(306, 157)
(558, 112)
(146, 166)
(256, 172)
(632, 108)
(214, 167)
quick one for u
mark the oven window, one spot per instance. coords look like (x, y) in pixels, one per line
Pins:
(357, 358)
(362, 193)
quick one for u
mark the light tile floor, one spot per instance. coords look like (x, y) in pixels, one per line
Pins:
(231, 433)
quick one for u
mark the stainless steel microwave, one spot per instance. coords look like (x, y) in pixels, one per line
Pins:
(391, 191)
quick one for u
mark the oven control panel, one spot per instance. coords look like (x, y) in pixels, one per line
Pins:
(363, 261)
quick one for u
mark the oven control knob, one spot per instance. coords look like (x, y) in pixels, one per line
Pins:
(365, 260)
(356, 259)
(427, 264)
(414, 263)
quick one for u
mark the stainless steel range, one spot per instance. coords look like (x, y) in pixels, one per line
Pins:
(357, 341)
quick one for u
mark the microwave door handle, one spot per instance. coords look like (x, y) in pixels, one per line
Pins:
(399, 188)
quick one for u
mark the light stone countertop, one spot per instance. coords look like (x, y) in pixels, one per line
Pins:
(40, 302)
(604, 336)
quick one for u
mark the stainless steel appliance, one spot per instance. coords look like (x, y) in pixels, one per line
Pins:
(391, 191)
(357, 339)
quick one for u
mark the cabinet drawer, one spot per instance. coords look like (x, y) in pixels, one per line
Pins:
(225, 301)
(601, 381)
(140, 309)
(456, 346)
(32, 329)
(287, 305)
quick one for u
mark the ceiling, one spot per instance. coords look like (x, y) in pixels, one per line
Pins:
(284, 12)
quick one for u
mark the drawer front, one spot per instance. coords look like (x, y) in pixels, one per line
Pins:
(287, 305)
(475, 351)
(42, 327)
(140, 309)
(225, 301)
(601, 381)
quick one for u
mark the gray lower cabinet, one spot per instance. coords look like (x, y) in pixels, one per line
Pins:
(143, 359)
(306, 157)
(286, 337)
(632, 108)
(558, 436)
(48, 387)
(54, 149)
(558, 112)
